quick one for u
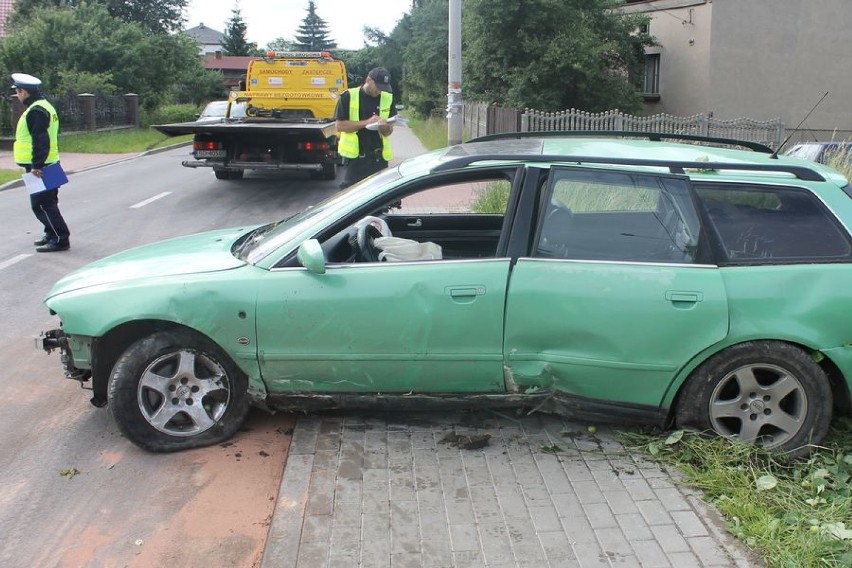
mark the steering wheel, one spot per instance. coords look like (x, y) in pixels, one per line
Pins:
(368, 229)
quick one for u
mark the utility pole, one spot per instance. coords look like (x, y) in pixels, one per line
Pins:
(455, 118)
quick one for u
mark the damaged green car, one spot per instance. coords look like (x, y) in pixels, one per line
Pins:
(626, 276)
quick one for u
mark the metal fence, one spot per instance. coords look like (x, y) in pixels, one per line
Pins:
(481, 119)
(69, 111)
(78, 112)
(110, 111)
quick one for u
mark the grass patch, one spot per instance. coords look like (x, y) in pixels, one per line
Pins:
(432, 132)
(9, 175)
(494, 198)
(122, 141)
(842, 161)
(796, 513)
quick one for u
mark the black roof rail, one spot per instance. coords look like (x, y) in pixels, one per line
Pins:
(653, 136)
(676, 167)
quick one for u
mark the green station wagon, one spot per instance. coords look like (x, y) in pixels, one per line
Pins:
(635, 277)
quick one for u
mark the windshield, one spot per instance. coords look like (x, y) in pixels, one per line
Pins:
(238, 110)
(215, 109)
(314, 218)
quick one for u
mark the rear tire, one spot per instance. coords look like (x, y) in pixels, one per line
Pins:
(765, 392)
(228, 174)
(176, 390)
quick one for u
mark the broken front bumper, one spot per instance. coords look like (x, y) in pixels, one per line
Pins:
(56, 339)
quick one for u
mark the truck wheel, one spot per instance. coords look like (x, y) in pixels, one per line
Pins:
(329, 170)
(228, 174)
(175, 390)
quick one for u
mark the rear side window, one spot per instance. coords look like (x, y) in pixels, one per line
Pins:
(614, 216)
(766, 225)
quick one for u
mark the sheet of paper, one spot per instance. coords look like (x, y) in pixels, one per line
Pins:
(34, 184)
(394, 119)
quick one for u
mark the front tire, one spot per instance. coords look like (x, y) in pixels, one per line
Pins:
(764, 392)
(176, 390)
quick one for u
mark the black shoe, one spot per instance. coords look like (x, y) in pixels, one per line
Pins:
(41, 242)
(53, 247)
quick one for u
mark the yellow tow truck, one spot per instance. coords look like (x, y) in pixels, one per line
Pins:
(288, 99)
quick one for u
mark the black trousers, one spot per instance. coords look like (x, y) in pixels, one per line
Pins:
(45, 206)
(359, 168)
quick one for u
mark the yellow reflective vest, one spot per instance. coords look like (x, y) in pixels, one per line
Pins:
(22, 150)
(347, 146)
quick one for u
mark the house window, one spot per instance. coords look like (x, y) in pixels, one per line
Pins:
(651, 84)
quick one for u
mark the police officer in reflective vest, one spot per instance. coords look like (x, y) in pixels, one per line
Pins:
(36, 145)
(362, 126)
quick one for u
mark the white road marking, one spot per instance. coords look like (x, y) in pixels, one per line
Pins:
(151, 200)
(13, 260)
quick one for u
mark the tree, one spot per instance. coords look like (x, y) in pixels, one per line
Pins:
(90, 49)
(563, 54)
(156, 16)
(543, 54)
(235, 42)
(281, 44)
(425, 56)
(312, 35)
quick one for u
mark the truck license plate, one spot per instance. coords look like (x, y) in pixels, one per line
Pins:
(210, 153)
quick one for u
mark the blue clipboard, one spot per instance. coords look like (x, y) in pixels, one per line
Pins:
(53, 176)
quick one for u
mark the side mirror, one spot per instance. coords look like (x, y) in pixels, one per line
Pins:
(310, 256)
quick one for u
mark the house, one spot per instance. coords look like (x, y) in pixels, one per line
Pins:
(209, 39)
(233, 67)
(761, 59)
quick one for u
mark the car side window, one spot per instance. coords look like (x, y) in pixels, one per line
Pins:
(614, 216)
(473, 197)
(763, 224)
(453, 220)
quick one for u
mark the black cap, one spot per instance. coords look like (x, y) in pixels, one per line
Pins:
(381, 77)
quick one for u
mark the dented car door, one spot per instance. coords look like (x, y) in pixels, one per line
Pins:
(617, 293)
(385, 327)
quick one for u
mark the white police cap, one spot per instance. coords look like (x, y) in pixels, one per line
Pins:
(24, 81)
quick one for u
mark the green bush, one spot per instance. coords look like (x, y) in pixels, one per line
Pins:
(167, 114)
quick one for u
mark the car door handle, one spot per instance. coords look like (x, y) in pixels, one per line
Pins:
(684, 298)
(416, 223)
(464, 294)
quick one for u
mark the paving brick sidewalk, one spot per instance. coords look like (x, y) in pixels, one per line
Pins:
(369, 490)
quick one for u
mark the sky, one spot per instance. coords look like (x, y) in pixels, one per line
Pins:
(267, 20)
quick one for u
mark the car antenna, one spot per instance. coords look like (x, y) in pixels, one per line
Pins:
(774, 155)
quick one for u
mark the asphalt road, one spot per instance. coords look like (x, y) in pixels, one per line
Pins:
(73, 491)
